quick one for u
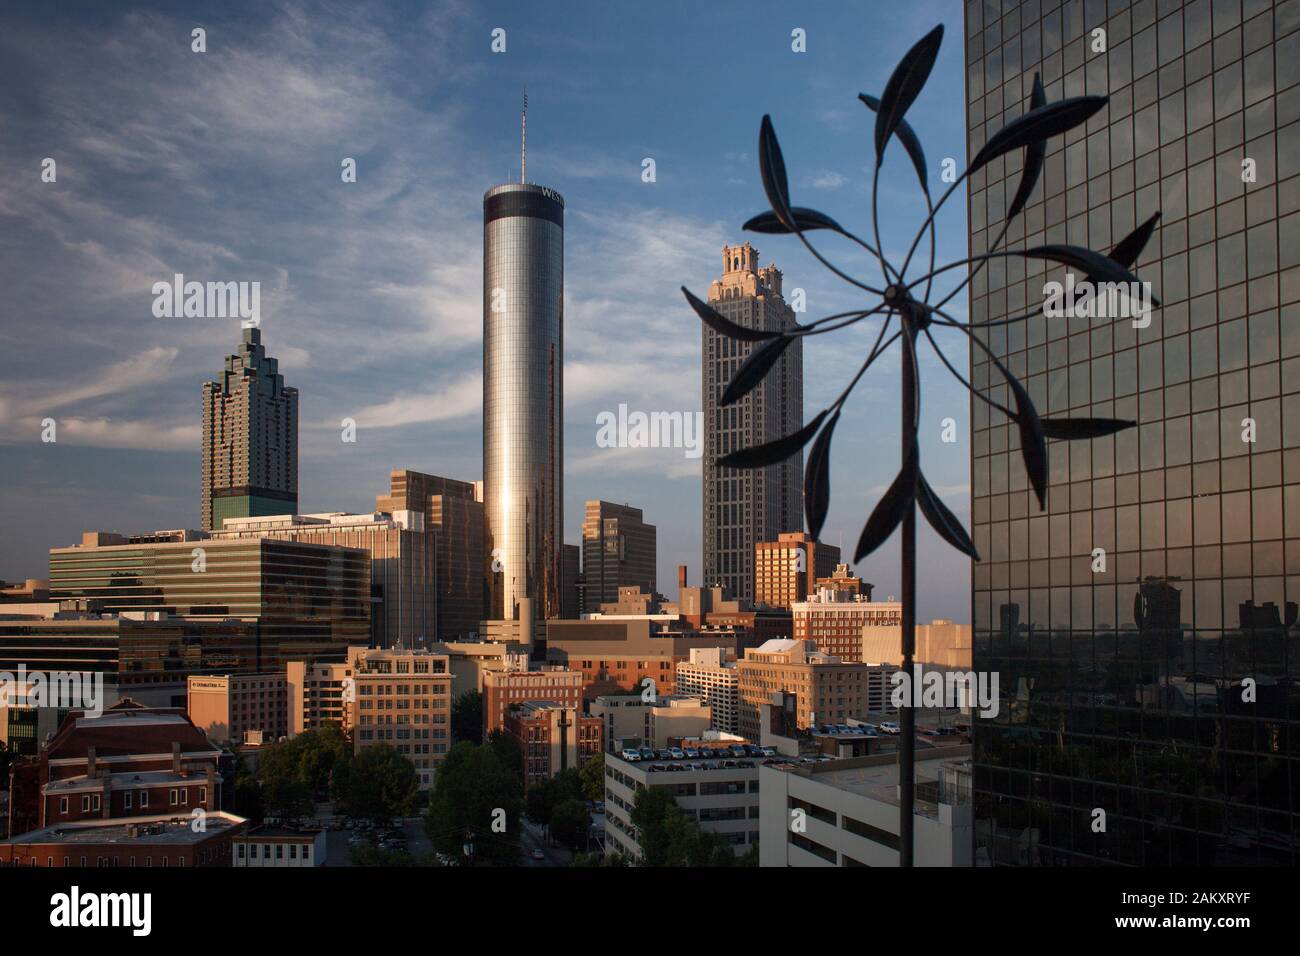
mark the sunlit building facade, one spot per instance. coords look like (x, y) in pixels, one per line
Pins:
(1143, 626)
(523, 396)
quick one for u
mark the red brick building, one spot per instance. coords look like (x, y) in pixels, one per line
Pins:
(553, 737)
(155, 841)
(131, 761)
(502, 689)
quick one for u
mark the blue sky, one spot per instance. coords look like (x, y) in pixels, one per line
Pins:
(225, 166)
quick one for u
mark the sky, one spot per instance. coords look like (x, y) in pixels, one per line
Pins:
(225, 166)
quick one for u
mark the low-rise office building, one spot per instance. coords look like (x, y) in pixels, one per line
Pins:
(618, 653)
(391, 696)
(552, 737)
(845, 812)
(240, 708)
(708, 675)
(833, 616)
(275, 846)
(825, 688)
(721, 795)
(403, 700)
(318, 695)
(470, 660)
(940, 645)
(521, 682)
(630, 720)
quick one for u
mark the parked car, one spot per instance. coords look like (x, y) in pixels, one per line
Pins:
(631, 755)
(677, 752)
(890, 727)
(538, 855)
(692, 753)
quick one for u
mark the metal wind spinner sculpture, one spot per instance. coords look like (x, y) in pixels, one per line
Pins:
(916, 317)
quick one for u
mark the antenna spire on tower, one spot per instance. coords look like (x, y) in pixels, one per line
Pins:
(523, 141)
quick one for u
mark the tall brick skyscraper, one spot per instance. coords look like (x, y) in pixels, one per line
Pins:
(742, 508)
(250, 438)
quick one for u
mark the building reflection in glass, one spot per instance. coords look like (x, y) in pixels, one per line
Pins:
(1160, 687)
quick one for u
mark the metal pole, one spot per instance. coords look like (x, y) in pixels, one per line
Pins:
(907, 721)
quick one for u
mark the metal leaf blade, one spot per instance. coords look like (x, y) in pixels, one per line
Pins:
(771, 167)
(817, 479)
(1035, 153)
(769, 453)
(1131, 246)
(805, 219)
(890, 509)
(907, 136)
(905, 85)
(1041, 123)
(1070, 429)
(1097, 267)
(943, 520)
(1033, 446)
(723, 325)
(752, 370)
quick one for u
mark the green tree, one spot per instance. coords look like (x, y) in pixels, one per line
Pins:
(366, 855)
(651, 813)
(474, 793)
(669, 838)
(248, 792)
(593, 778)
(381, 784)
(569, 823)
(467, 717)
(509, 753)
(600, 859)
(286, 797)
(318, 753)
(296, 773)
(545, 795)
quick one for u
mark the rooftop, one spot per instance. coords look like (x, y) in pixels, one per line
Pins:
(131, 831)
(876, 777)
(123, 781)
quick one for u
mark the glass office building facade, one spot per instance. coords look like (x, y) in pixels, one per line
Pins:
(307, 600)
(523, 396)
(1144, 626)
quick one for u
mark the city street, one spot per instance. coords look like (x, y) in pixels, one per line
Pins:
(533, 839)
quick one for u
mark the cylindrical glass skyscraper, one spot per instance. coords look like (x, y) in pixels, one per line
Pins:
(523, 396)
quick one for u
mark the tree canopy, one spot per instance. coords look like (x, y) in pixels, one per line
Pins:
(477, 798)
